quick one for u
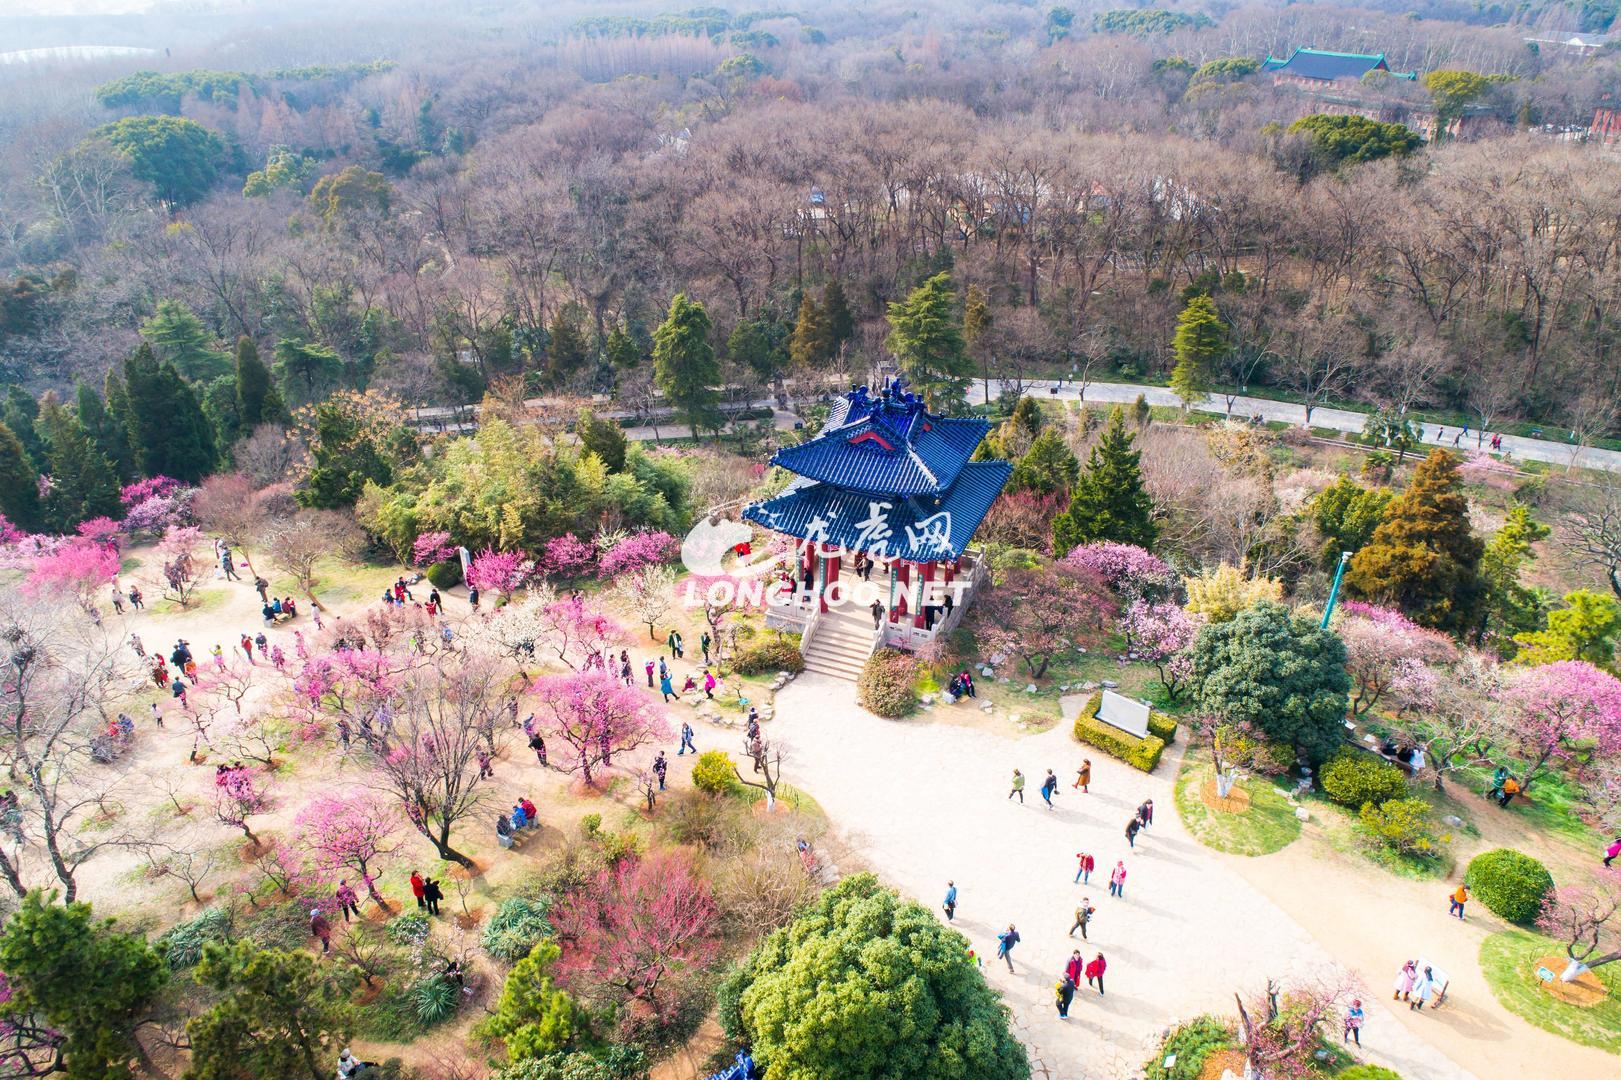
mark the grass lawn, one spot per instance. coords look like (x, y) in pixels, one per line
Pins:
(1269, 825)
(1553, 805)
(343, 582)
(1509, 959)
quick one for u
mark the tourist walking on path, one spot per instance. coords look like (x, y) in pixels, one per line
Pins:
(1423, 990)
(709, 684)
(704, 641)
(949, 905)
(1083, 776)
(661, 765)
(665, 688)
(1458, 899)
(1353, 1022)
(1405, 978)
(1048, 787)
(1145, 813)
(538, 745)
(1004, 945)
(686, 739)
(1612, 851)
(1095, 970)
(1117, 880)
(674, 642)
(1083, 867)
(321, 929)
(1063, 994)
(877, 614)
(650, 674)
(1132, 828)
(1018, 786)
(1075, 967)
(1083, 917)
(247, 648)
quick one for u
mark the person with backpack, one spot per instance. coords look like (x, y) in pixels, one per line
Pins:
(1063, 994)
(1083, 917)
(1004, 945)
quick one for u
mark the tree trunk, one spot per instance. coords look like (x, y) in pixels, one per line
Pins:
(446, 852)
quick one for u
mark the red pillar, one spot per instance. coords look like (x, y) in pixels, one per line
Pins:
(923, 605)
(830, 574)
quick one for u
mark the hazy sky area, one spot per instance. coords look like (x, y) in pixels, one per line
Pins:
(74, 7)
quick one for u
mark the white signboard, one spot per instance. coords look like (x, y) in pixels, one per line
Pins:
(1124, 713)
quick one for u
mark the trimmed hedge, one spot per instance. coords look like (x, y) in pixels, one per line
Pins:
(1355, 777)
(444, 575)
(1162, 726)
(1510, 884)
(1367, 1072)
(886, 684)
(774, 654)
(1143, 754)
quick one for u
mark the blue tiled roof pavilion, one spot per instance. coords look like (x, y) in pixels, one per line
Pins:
(887, 477)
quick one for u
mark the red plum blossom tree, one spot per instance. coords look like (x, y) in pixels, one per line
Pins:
(597, 716)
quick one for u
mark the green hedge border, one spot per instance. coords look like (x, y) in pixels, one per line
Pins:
(1142, 754)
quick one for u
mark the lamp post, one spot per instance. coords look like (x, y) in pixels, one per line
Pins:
(1334, 591)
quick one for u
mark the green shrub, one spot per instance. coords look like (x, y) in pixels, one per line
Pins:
(435, 999)
(713, 773)
(445, 575)
(1367, 1072)
(1143, 754)
(408, 929)
(771, 655)
(185, 940)
(1510, 884)
(515, 928)
(1401, 825)
(614, 1062)
(1353, 777)
(886, 684)
(280, 926)
(1192, 1043)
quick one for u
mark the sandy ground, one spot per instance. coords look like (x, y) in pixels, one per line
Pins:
(926, 802)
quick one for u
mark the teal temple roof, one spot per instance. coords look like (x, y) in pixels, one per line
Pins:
(1328, 66)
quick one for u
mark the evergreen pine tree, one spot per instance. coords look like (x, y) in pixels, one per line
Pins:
(257, 399)
(620, 349)
(168, 430)
(684, 363)
(841, 321)
(180, 338)
(751, 345)
(1109, 501)
(925, 334)
(19, 484)
(83, 484)
(1201, 340)
(812, 341)
(1510, 607)
(567, 349)
(1424, 557)
(1046, 467)
(106, 431)
(19, 414)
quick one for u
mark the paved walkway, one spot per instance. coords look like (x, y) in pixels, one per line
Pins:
(1345, 420)
(925, 802)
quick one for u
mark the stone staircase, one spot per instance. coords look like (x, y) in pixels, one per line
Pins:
(841, 644)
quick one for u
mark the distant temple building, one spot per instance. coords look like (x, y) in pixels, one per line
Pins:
(883, 507)
(1316, 69)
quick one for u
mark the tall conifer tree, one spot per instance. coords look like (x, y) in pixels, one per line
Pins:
(168, 430)
(19, 484)
(1109, 501)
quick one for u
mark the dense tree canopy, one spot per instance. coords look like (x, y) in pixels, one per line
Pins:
(1277, 672)
(1109, 501)
(865, 984)
(180, 158)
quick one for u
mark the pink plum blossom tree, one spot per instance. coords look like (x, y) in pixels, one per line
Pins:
(568, 556)
(1562, 714)
(1380, 644)
(79, 568)
(597, 716)
(1159, 634)
(638, 550)
(1128, 569)
(178, 550)
(1585, 919)
(499, 571)
(355, 834)
(432, 547)
(635, 925)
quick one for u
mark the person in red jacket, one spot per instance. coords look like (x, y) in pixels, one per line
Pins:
(1095, 970)
(418, 886)
(1075, 968)
(321, 929)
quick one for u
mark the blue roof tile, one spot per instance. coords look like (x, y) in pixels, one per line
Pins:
(923, 528)
(886, 445)
(1327, 66)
